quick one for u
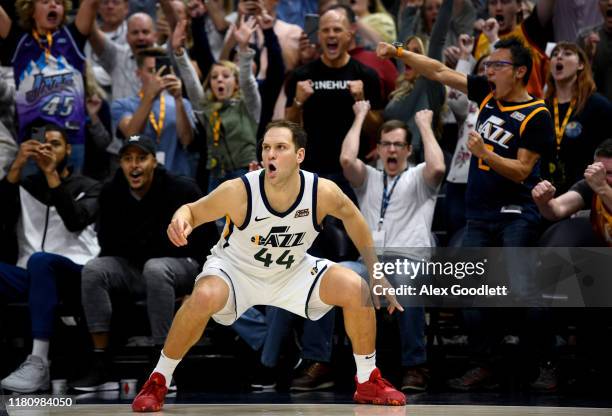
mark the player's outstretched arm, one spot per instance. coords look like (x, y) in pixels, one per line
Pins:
(429, 68)
(332, 201)
(230, 198)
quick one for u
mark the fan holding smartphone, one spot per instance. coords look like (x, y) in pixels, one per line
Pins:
(158, 111)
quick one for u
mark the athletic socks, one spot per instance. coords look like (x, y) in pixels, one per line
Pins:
(166, 366)
(40, 348)
(365, 365)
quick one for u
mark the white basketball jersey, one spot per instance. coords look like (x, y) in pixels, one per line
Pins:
(270, 243)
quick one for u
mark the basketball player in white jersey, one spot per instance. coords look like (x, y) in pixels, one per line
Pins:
(272, 218)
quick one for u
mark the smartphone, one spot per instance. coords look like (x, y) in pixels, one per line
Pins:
(163, 61)
(311, 27)
(38, 134)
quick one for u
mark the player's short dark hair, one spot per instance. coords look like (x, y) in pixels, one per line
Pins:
(521, 56)
(604, 149)
(298, 134)
(350, 14)
(152, 52)
(54, 127)
(392, 125)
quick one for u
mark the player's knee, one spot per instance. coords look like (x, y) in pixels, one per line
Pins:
(207, 298)
(347, 289)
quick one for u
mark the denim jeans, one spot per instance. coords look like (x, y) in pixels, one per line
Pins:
(411, 325)
(511, 233)
(316, 339)
(486, 326)
(47, 275)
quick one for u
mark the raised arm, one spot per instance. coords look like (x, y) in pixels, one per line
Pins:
(187, 72)
(168, 10)
(545, 9)
(429, 68)
(229, 198)
(217, 15)
(434, 159)
(247, 81)
(5, 23)
(86, 16)
(353, 168)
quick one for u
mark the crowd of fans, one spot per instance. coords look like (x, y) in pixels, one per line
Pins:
(114, 113)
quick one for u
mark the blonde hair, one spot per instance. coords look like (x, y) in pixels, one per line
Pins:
(235, 72)
(404, 86)
(25, 12)
(91, 85)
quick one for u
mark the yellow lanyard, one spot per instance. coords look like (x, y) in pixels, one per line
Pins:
(560, 130)
(159, 124)
(215, 122)
(49, 43)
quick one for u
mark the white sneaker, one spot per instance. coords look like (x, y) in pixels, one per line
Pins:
(32, 375)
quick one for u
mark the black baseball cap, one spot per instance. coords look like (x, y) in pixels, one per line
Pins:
(141, 141)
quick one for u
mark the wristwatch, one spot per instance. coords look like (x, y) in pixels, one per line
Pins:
(399, 48)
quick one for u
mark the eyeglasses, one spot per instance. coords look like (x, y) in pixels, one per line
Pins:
(397, 145)
(497, 65)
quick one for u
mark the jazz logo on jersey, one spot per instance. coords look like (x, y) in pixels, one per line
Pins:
(492, 130)
(279, 237)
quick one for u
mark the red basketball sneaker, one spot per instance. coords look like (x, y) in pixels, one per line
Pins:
(379, 391)
(152, 395)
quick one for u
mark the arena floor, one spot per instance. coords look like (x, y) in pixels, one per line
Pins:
(334, 404)
(318, 409)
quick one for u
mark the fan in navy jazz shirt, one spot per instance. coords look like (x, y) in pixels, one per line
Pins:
(513, 132)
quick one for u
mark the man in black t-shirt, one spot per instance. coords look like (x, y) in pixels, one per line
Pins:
(320, 95)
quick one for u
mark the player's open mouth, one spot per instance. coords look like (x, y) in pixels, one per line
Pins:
(499, 18)
(392, 162)
(271, 167)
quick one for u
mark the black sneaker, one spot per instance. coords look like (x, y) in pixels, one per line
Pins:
(474, 379)
(315, 376)
(415, 379)
(97, 379)
(264, 378)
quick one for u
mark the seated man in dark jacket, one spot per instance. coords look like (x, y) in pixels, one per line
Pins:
(136, 256)
(52, 214)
